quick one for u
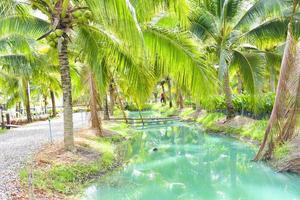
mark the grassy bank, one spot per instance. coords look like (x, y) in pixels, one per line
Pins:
(57, 174)
(239, 126)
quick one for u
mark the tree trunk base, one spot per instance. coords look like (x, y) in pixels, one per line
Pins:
(291, 161)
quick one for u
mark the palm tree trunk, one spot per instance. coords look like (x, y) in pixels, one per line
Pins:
(120, 103)
(106, 109)
(163, 91)
(180, 99)
(96, 121)
(112, 97)
(122, 109)
(27, 100)
(281, 125)
(155, 95)
(67, 93)
(20, 107)
(53, 103)
(45, 104)
(141, 116)
(272, 79)
(228, 97)
(170, 91)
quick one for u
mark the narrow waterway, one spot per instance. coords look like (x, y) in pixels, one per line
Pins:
(179, 161)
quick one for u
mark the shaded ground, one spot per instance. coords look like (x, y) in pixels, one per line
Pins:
(17, 145)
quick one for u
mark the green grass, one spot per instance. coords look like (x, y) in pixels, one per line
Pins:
(256, 130)
(66, 179)
(253, 130)
(209, 120)
(281, 151)
(187, 113)
(165, 110)
(71, 178)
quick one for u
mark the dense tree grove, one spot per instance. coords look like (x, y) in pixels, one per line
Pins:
(221, 55)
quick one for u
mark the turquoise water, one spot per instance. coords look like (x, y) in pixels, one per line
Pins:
(192, 165)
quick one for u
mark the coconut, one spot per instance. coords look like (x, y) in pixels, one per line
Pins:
(77, 13)
(82, 19)
(52, 35)
(59, 32)
(88, 14)
(52, 44)
(48, 39)
(34, 7)
(55, 40)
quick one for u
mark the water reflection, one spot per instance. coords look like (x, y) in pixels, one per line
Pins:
(191, 165)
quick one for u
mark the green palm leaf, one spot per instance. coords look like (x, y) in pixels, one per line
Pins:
(251, 67)
(177, 55)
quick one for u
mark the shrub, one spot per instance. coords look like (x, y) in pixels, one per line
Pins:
(133, 107)
(259, 106)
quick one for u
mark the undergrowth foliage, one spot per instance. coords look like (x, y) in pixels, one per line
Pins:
(244, 104)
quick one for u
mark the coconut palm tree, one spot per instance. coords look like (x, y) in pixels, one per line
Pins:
(45, 81)
(224, 26)
(60, 16)
(16, 71)
(282, 127)
(125, 30)
(146, 38)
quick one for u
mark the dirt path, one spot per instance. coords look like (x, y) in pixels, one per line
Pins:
(17, 145)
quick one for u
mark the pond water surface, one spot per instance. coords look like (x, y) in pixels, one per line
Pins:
(192, 165)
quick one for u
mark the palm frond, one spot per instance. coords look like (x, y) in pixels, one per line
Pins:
(105, 52)
(30, 26)
(261, 8)
(251, 66)
(177, 55)
(203, 23)
(268, 34)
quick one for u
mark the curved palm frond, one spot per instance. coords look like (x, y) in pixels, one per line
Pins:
(176, 54)
(119, 17)
(13, 61)
(147, 10)
(203, 24)
(268, 34)
(15, 43)
(23, 25)
(105, 52)
(251, 66)
(261, 8)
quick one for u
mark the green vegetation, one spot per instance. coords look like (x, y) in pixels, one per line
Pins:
(259, 106)
(69, 178)
(209, 120)
(252, 129)
(255, 130)
(216, 122)
(66, 179)
(281, 151)
(216, 62)
(132, 107)
(187, 113)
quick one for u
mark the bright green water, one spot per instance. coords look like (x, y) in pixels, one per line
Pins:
(190, 165)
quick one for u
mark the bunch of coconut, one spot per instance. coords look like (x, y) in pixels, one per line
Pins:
(53, 37)
(82, 16)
